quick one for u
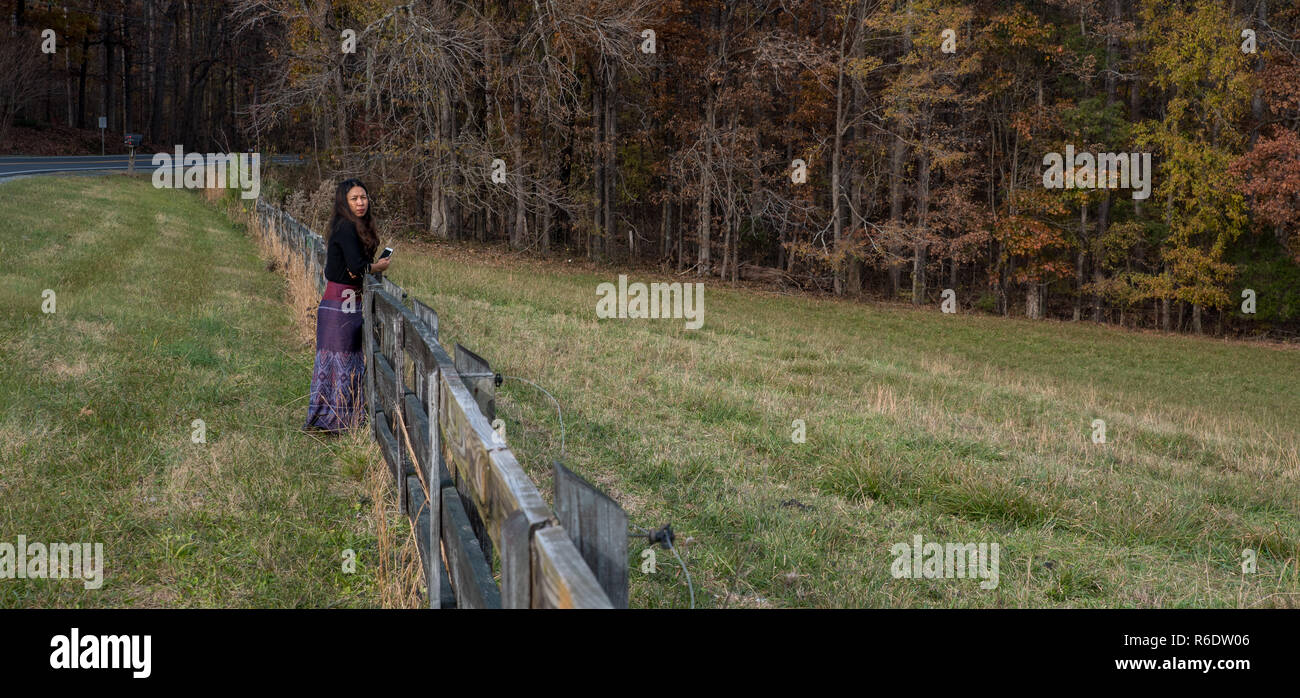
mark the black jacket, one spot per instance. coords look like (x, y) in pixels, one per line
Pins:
(345, 257)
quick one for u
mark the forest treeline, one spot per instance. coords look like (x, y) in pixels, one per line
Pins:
(890, 148)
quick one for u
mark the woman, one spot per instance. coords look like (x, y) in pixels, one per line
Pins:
(337, 385)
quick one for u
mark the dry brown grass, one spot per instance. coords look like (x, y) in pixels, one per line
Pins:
(65, 370)
(399, 574)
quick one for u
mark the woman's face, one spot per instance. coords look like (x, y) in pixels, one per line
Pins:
(358, 201)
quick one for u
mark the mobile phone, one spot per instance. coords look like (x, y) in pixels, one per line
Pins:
(388, 251)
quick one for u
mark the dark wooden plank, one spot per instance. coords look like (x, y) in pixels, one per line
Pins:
(426, 315)
(412, 463)
(598, 527)
(477, 457)
(561, 578)
(398, 358)
(435, 355)
(386, 308)
(467, 477)
(471, 578)
(432, 355)
(434, 437)
(435, 360)
(387, 444)
(448, 595)
(368, 344)
(386, 375)
(381, 313)
(466, 434)
(444, 475)
(516, 560)
(471, 368)
(430, 432)
(477, 375)
(417, 427)
(464, 479)
(384, 381)
(428, 537)
(476, 523)
(415, 339)
(397, 292)
(417, 361)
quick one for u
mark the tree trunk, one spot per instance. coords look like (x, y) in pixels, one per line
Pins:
(545, 229)
(1078, 270)
(1257, 99)
(1112, 91)
(67, 73)
(518, 238)
(665, 228)
(1033, 301)
(160, 61)
(681, 237)
(81, 81)
(610, 160)
(858, 51)
(106, 72)
(705, 205)
(340, 111)
(437, 194)
(126, 77)
(598, 139)
(837, 220)
(923, 214)
(897, 156)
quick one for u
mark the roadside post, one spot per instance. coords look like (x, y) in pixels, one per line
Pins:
(133, 141)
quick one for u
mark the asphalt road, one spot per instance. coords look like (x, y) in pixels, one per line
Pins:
(22, 165)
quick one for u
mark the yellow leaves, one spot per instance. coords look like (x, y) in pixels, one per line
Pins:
(1196, 53)
(1116, 246)
(862, 67)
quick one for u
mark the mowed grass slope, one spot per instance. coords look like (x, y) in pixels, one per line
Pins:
(165, 315)
(959, 429)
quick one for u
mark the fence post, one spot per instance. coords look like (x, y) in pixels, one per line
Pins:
(398, 358)
(434, 478)
(368, 342)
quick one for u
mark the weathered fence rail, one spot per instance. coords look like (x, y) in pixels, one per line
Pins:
(468, 498)
(306, 246)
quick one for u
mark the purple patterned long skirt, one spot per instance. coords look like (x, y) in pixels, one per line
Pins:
(338, 400)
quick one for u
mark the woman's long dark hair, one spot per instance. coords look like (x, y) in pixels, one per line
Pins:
(365, 225)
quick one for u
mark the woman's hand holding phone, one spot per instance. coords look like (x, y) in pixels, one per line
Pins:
(381, 264)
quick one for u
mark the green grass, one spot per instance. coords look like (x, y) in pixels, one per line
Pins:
(164, 315)
(964, 428)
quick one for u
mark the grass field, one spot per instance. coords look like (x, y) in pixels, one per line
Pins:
(165, 314)
(959, 429)
(962, 429)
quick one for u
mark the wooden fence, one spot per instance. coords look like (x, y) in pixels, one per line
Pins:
(459, 483)
(306, 246)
